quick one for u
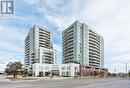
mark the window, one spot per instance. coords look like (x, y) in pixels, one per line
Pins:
(46, 68)
(63, 73)
(63, 68)
(40, 68)
(68, 68)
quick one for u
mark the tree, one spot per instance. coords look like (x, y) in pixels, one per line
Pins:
(30, 73)
(13, 68)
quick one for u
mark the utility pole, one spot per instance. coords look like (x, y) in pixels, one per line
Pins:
(115, 70)
(126, 67)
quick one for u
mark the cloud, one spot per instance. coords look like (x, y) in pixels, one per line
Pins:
(113, 24)
(11, 38)
(5, 61)
(58, 47)
(11, 44)
(31, 2)
(110, 18)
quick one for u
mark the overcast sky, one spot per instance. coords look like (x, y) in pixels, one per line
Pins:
(110, 18)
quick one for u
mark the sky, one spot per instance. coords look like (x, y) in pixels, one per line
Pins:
(110, 18)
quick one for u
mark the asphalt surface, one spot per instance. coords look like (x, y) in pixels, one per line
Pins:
(68, 83)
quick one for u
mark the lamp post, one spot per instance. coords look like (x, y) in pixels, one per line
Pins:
(115, 70)
(126, 68)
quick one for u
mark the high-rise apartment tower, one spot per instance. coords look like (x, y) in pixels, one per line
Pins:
(81, 44)
(39, 47)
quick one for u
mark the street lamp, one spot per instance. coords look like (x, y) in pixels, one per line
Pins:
(126, 67)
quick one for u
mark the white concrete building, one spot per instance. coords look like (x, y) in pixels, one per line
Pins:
(39, 47)
(83, 52)
(55, 69)
(81, 44)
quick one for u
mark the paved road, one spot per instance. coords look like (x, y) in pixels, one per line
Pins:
(69, 83)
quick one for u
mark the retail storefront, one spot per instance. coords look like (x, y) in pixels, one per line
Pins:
(66, 70)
